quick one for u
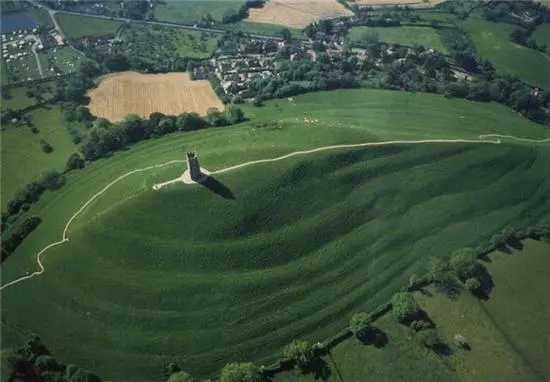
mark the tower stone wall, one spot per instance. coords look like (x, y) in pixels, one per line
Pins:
(193, 166)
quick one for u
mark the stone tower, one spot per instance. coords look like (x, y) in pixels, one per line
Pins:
(194, 167)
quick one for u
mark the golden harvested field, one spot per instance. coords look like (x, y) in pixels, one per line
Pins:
(120, 94)
(297, 13)
(387, 3)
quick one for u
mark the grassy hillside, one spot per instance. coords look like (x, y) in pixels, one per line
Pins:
(184, 274)
(492, 42)
(188, 12)
(404, 35)
(82, 26)
(22, 156)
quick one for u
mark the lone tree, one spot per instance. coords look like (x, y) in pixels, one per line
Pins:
(405, 307)
(301, 352)
(472, 284)
(241, 372)
(359, 324)
(430, 338)
(181, 376)
(74, 162)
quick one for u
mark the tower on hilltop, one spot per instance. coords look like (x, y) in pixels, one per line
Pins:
(194, 167)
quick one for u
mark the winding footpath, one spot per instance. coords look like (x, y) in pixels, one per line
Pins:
(487, 139)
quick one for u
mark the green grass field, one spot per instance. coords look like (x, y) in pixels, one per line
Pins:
(154, 43)
(492, 43)
(404, 35)
(512, 324)
(76, 27)
(22, 156)
(190, 11)
(518, 306)
(542, 35)
(186, 275)
(59, 61)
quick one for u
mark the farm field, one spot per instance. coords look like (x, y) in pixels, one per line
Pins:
(297, 14)
(22, 156)
(492, 43)
(136, 259)
(125, 93)
(191, 11)
(76, 27)
(154, 43)
(59, 60)
(403, 35)
(542, 35)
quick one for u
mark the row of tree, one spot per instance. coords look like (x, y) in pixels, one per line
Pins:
(105, 138)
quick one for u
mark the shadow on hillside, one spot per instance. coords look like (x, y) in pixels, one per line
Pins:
(487, 284)
(318, 368)
(218, 187)
(374, 336)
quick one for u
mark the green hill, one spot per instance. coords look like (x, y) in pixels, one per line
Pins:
(204, 275)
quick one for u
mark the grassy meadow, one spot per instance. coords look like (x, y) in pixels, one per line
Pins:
(190, 11)
(403, 35)
(22, 156)
(236, 269)
(76, 26)
(492, 43)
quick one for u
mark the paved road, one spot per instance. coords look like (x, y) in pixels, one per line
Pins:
(160, 23)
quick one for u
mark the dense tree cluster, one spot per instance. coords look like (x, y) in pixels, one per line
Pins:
(523, 13)
(30, 193)
(33, 362)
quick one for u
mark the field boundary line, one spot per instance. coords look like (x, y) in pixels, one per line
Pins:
(65, 233)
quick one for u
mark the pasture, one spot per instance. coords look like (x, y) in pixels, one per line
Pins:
(154, 43)
(518, 305)
(297, 14)
(59, 60)
(17, 97)
(542, 35)
(191, 11)
(512, 324)
(403, 35)
(77, 26)
(22, 156)
(492, 43)
(120, 94)
(234, 270)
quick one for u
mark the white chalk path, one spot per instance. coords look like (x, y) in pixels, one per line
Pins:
(65, 234)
